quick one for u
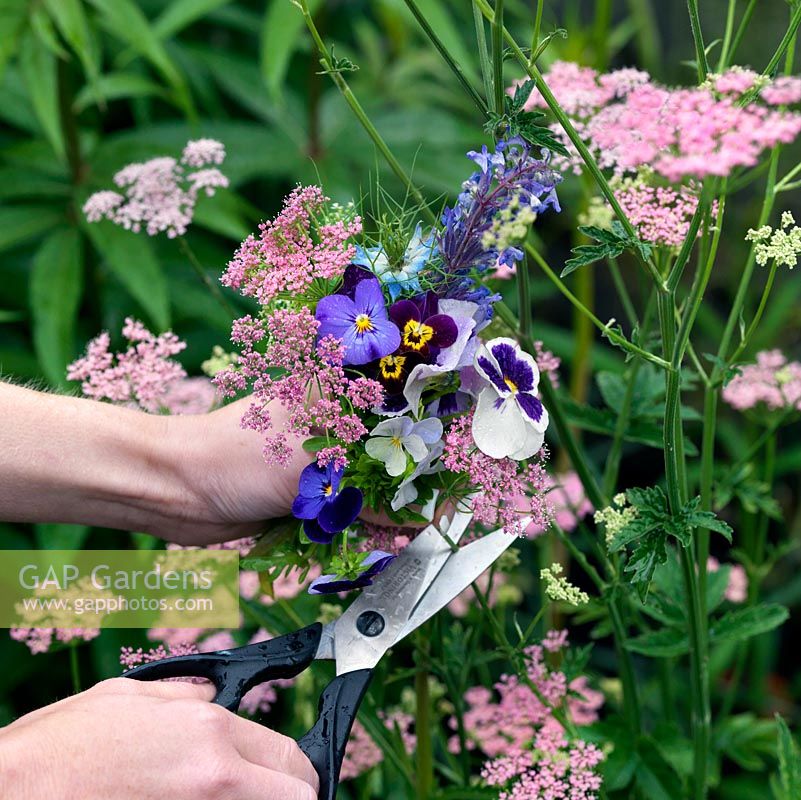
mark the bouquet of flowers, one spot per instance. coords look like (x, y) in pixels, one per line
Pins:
(378, 345)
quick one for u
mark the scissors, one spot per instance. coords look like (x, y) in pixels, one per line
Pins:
(424, 578)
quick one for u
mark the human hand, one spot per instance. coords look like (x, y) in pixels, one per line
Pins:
(129, 740)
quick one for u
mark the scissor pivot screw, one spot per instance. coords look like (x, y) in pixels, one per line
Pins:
(370, 623)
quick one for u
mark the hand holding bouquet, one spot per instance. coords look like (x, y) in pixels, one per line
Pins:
(380, 346)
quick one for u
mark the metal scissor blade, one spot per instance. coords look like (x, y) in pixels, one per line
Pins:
(461, 569)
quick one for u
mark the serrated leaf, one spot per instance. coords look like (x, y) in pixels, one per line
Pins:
(130, 257)
(586, 254)
(56, 285)
(745, 623)
(789, 762)
(664, 643)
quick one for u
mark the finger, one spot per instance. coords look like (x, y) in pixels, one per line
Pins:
(267, 748)
(254, 782)
(167, 690)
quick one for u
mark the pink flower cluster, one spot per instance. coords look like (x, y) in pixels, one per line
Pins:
(363, 754)
(530, 753)
(159, 195)
(39, 640)
(772, 382)
(568, 502)
(259, 699)
(310, 387)
(505, 491)
(661, 214)
(628, 121)
(292, 251)
(143, 376)
(737, 587)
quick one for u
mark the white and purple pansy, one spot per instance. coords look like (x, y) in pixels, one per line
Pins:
(325, 509)
(361, 322)
(509, 420)
(375, 563)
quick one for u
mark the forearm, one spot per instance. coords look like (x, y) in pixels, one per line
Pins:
(65, 459)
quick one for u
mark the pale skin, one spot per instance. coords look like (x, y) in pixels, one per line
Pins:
(191, 480)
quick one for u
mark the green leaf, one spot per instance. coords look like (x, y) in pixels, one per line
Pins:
(663, 643)
(13, 16)
(610, 244)
(56, 285)
(736, 626)
(789, 762)
(179, 14)
(130, 257)
(282, 31)
(114, 86)
(656, 778)
(20, 223)
(125, 20)
(38, 67)
(60, 537)
(72, 23)
(315, 443)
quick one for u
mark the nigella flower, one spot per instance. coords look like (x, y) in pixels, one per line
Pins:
(404, 277)
(325, 509)
(361, 323)
(423, 329)
(376, 563)
(393, 438)
(509, 421)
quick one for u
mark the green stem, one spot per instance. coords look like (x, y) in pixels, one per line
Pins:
(600, 34)
(425, 746)
(75, 668)
(535, 39)
(758, 315)
(698, 38)
(449, 59)
(497, 56)
(724, 48)
(563, 120)
(786, 42)
(524, 296)
(361, 115)
(211, 285)
(631, 703)
(613, 335)
(677, 495)
(483, 52)
(623, 292)
(580, 559)
(741, 29)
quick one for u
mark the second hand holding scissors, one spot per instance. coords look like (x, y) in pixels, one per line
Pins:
(424, 578)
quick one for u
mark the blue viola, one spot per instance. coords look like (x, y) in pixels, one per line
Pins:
(324, 508)
(360, 321)
(375, 563)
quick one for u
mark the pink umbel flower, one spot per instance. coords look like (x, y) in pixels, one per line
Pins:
(772, 383)
(302, 244)
(362, 753)
(291, 345)
(142, 375)
(505, 489)
(568, 503)
(547, 363)
(160, 195)
(39, 640)
(737, 587)
(628, 121)
(191, 396)
(530, 754)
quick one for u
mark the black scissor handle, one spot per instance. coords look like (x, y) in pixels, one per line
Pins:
(234, 672)
(325, 743)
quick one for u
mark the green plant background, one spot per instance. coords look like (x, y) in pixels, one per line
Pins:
(87, 86)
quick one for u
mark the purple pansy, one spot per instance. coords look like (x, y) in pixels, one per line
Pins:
(423, 329)
(376, 562)
(325, 510)
(509, 420)
(360, 322)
